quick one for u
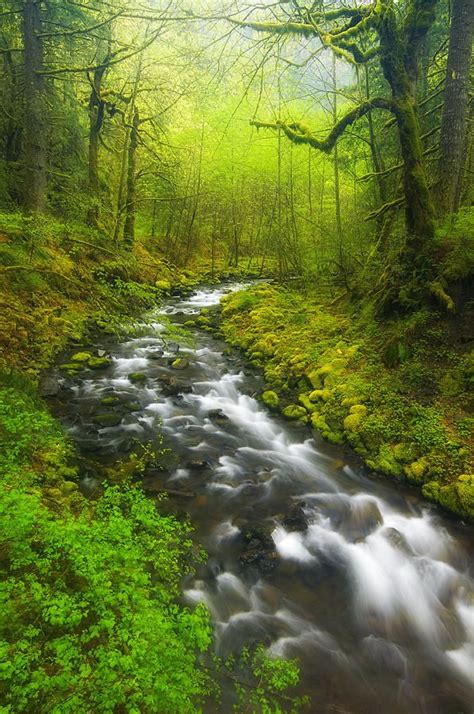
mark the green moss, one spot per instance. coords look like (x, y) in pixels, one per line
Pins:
(71, 367)
(417, 470)
(137, 377)
(294, 412)
(320, 395)
(99, 362)
(352, 422)
(271, 399)
(110, 401)
(81, 357)
(306, 403)
(360, 409)
(180, 363)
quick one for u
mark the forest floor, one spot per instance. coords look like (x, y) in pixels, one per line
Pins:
(399, 392)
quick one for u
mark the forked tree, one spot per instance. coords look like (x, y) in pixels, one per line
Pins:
(393, 33)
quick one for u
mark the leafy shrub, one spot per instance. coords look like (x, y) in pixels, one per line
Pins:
(88, 616)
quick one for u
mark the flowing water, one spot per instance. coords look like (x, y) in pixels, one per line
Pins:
(369, 586)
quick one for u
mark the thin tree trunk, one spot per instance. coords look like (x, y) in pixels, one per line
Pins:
(35, 142)
(130, 205)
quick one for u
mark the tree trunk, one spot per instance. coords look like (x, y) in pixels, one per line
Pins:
(130, 207)
(419, 209)
(454, 118)
(96, 120)
(35, 180)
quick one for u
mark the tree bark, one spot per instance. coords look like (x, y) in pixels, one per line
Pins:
(455, 107)
(130, 206)
(35, 142)
(96, 120)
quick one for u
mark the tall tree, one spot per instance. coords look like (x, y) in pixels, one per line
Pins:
(455, 106)
(35, 121)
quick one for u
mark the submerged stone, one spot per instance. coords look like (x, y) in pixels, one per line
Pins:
(106, 419)
(180, 363)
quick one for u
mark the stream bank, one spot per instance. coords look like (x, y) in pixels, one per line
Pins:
(399, 393)
(358, 578)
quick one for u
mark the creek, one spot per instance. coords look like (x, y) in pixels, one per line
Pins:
(368, 585)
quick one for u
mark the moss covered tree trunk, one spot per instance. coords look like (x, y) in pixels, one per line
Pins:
(130, 205)
(35, 142)
(96, 120)
(455, 107)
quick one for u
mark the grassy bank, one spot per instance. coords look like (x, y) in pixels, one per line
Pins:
(398, 392)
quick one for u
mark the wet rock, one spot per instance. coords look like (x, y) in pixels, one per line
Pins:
(197, 465)
(132, 406)
(218, 416)
(361, 520)
(156, 354)
(101, 353)
(172, 387)
(49, 387)
(107, 419)
(397, 540)
(99, 362)
(180, 363)
(295, 519)
(137, 377)
(110, 401)
(259, 550)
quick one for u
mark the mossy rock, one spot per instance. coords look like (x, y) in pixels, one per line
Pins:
(358, 409)
(417, 470)
(322, 395)
(271, 399)
(352, 422)
(202, 320)
(190, 323)
(99, 362)
(294, 412)
(305, 402)
(180, 363)
(457, 497)
(350, 401)
(71, 367)
(81, 357)
(137, 377)
(132, 406)
(110, 401)
(106, 419)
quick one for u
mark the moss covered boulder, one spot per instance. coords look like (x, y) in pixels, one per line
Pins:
(99, 362)
(271, 399)
(110, 401)
(180, 363)
(137, 377)
(81, 357)
(295, 412)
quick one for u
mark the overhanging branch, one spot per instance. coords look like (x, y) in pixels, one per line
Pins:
(299, 134)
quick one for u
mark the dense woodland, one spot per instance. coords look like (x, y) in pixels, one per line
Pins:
(149, 146)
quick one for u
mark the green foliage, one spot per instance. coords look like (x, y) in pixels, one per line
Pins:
(89, 620)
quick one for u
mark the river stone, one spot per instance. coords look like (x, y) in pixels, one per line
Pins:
(295, 519)
(156, 354)
(218, 416)
(110, 401)
(107, 419)
(99, 362)
(132, 406)
(137, 377)
(361, 520)
(259, 550)
(49, 387)
(180, 363)
(81, 357)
